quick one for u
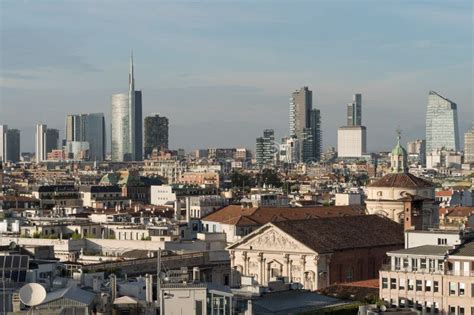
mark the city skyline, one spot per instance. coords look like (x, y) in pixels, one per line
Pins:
(188, 70)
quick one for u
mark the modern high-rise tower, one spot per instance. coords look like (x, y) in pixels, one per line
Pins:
(40, 143)
(469, 146)
(127, 126)
(305, 124)
(442, 131)
(354, 111)
(52, 140)
(156, 133)
(13, 145)
(3, 142)
(352, 138)
(265, 146)
(88, 128)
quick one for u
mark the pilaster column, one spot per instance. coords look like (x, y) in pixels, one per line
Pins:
(261, 268)
(316, 273)
(303, 267)
(287, 265)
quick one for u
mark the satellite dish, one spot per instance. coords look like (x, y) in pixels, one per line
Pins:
(32, 294)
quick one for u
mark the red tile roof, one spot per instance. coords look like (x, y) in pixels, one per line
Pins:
(326, 235)
(236, 215)
(401, 180)
(444, 193)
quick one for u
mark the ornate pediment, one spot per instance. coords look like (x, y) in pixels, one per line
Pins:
(272, 239)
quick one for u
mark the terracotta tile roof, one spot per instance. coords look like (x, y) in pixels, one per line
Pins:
(326, 235)
(401, 180)
(370, 283)
(444, 193)
(460, 212)
(236, 215)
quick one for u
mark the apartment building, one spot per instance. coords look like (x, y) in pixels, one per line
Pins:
(436, 279)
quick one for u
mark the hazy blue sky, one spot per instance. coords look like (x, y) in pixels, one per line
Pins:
(223, 71)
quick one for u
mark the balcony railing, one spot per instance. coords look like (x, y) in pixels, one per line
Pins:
(388, 267)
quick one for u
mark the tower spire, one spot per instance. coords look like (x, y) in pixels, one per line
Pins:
(131, 78)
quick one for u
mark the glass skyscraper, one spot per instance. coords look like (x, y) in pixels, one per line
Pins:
(88, 128)
(127, 126)
(442, 130)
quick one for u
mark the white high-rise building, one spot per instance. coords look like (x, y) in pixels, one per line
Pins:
(351, 141)
(40, 143)
(352, 138)
(469, 146)
(3, 142)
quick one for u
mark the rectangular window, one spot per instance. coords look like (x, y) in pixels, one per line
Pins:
(452, 310)
(461, 310)
(452, 288)
(397, 263)
(401, 284)
(440, 265)
(401, 302)
(428, 285)
(419, 285)
(414, 264)
(435, 286)
(393, 283)
(462, 288)
(405, 262)
(384, 283)
(410, 284)
(432, 263)
(423, 263)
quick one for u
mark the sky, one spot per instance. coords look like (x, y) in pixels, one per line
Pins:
(222, 71)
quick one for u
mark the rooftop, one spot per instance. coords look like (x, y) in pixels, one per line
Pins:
(327, 235)
(404, 180)
(425, 250)
(466, 249)
(256, 216)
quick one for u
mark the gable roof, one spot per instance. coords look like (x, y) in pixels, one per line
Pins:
(327, 235)
(403, 180)
(237, 215)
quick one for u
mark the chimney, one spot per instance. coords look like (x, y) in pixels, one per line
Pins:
(196, 274)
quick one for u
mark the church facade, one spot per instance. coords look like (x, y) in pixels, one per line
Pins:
(315, 253)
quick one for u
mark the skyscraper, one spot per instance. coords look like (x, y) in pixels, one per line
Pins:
(304, 124)
(52, 140)
(264, 153)
(441, 124)
(120, 128)
(354, 111)
(3, 142)
(88, 128)
(40, 143)
(469, 146)
(352, 138)
(13, 145)
(138, 154)
(126, 120)
(156, 133)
